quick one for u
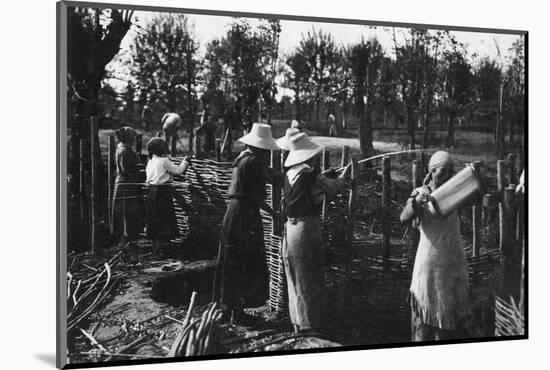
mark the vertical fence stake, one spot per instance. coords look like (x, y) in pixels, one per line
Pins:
(173, 145)
(345, 156)
(490, 203)
(416, 183)
(386, 203)
(477, 226)
(507, 214)
(139, 143)
(325, 165)
(219, 150)
(198, 146)
(111, 169)
(276, 191)
(82, 172)
(93, 189)
(350, 215)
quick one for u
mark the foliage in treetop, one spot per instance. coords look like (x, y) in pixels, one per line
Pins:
(323, 63)
(242, 64)
(93, 39)
(164, 59)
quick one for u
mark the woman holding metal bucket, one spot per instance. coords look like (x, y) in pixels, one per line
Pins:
(439, 286)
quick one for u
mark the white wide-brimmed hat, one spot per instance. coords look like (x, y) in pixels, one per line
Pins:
(260, 137)
(283, 141)
(301, 149)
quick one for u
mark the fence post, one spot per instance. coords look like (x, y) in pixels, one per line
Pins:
(198, 146)
(476, 219)
(82, 189)
(173, 145)
(276, 191)
(507, 214)
(139, 143)
(325, 165)
(490, 203)
(386, 203)
(218, 150)
(350, 215)
(512, 168)
(93, 189)
(416, 183)
(111, 168)
(345, 156)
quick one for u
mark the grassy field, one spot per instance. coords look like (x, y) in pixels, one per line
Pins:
(469, 146)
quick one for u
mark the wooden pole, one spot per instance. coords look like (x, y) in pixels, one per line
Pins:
(507, 215)
(512, 168)
(111, 170)
(477, 226)
(490, 203)
(325, 165)
(173, 145)
(139, 143)
(93, 195)
(386, 203)
(218, 150)
(345, 156)
(276, 191)
(350, 216)
(82, 171)
(416, 183)
(198, 146)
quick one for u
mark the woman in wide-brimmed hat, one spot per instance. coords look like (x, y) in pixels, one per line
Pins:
(439, 286)
(127, 207)
(303, 254)
(241, 276)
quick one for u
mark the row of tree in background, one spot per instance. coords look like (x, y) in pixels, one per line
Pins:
(425, 80)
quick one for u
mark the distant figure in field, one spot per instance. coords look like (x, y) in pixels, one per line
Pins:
(207, 130)
(332, 125)
(171, 123)
(296, 124)
(146, 117)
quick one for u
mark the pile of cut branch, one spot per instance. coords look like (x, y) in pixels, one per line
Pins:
(85, 292)
(197, 335)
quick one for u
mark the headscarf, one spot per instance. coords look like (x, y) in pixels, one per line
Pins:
(125, 134)
(438, 159)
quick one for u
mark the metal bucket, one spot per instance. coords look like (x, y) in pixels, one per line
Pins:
(458, 190)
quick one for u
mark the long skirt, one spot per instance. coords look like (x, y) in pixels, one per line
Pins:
(127, 213)
(241, 278)
(304, 262)
(161, 217)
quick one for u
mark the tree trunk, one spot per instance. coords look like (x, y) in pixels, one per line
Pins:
(368, 130)
(411, 126)
(451, 130)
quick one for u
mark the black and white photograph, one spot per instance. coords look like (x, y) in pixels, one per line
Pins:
(241, 184)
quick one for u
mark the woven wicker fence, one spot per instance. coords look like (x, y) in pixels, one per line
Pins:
(367, 292)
